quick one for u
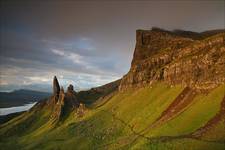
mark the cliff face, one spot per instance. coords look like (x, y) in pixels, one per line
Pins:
(191, 59)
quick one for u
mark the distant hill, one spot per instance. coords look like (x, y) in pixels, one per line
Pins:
(20, 97)
(90, 96)
(8, 117)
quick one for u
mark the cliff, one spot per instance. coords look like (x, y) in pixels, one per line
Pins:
(192, 59)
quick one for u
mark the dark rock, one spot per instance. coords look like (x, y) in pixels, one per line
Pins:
(70, 89)
(56, 87)
(62, 103)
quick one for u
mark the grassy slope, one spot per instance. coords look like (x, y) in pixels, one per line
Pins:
(203, 108)
(217, 133)
(123, 116)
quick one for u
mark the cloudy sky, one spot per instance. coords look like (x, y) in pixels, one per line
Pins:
(86, 43)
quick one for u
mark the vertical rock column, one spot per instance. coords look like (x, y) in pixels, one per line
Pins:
(56, 88)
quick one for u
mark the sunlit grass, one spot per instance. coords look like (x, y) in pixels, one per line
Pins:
(136, 109)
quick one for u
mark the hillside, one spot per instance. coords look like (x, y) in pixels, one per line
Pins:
(20, 97)
(173, 97)
(90, 96)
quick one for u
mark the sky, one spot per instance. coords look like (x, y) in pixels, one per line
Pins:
(86, 43)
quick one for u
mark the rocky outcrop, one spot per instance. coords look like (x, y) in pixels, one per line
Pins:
(191, 59)
(62, 103)
(81, 110)
(56, 87)
(57, 113)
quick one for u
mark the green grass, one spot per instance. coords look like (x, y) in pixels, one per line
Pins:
(177, 144)
(141, 107)
(203, 108)
(103, 127)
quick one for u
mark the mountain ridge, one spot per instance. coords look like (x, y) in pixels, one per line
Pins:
(172, 98)
(161, 55)
(21, 97)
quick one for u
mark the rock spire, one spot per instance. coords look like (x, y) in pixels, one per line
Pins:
(56, 88)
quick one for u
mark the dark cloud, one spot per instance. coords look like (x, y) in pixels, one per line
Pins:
(87, 43)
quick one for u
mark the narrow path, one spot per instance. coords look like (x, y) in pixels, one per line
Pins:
(124, 140)
(183, 101)
(129, 140)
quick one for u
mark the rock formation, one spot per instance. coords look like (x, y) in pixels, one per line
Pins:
(62, 103)
(56, 87)
(187, 58)
(81, 110)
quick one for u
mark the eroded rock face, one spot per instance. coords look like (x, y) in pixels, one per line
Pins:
(71, 98)
(162, 55)
(58, 107)
(62, 103)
